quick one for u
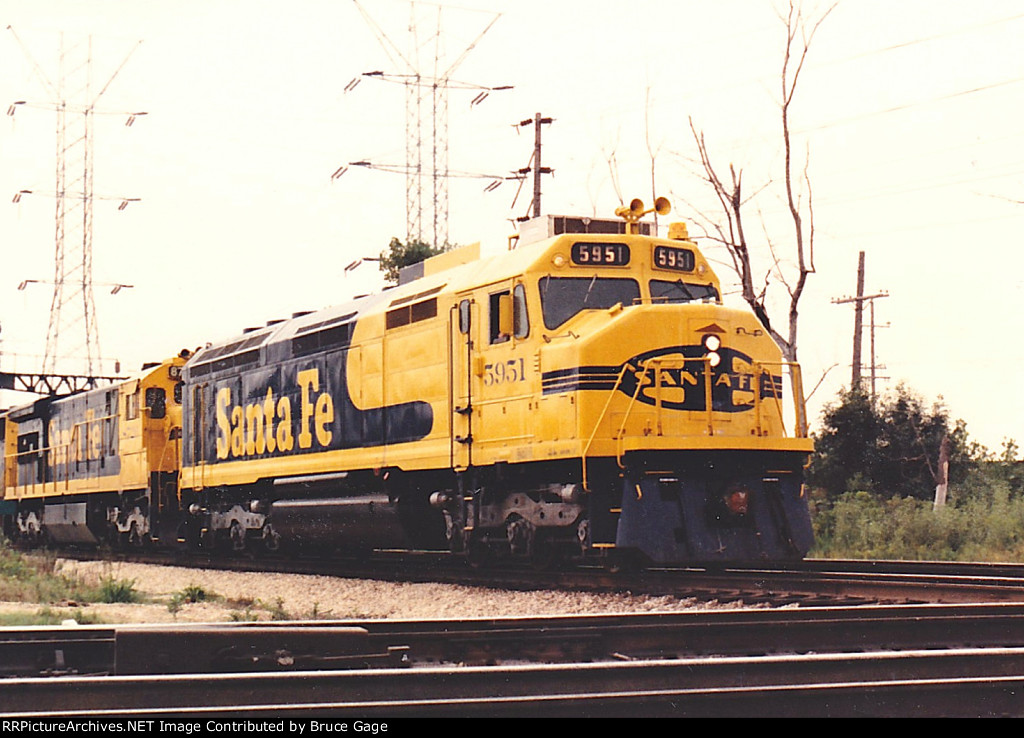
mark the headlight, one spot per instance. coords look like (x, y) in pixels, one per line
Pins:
(711, 344)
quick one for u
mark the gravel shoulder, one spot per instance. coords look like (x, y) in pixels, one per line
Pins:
(237, 596)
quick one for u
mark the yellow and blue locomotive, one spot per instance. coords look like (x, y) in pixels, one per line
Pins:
(584, 394)
(99, 466)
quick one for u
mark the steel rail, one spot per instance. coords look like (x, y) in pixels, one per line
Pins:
(868, 684)
(362, 644)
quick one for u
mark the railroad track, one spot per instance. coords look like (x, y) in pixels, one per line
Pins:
(811, 583)
(949, 660)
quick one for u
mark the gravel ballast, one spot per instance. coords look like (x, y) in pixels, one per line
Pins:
(234, 596)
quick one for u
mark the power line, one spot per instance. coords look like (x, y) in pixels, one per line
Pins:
(910, 105)
(958, 31)
(761, 78)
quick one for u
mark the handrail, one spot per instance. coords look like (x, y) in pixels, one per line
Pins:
(597, 424)
(657, 363)
(620, 434)
(796, 387)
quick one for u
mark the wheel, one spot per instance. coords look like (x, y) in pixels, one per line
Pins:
(271, 539)
(236, 535)
(520, 535)
(135, 538)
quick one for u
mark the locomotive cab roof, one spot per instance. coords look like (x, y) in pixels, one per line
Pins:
(458, 270)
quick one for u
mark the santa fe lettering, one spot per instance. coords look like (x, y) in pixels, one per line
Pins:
(268, 426)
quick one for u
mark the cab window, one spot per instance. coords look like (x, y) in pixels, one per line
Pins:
(156, 401)
(520, 320)
(561, 298)
(665, 292)
(498, 302)
(508, 308)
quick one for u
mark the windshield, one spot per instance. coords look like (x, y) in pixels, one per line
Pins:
(563, 297)
(663, 292)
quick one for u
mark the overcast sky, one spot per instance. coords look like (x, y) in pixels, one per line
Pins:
(910, 112)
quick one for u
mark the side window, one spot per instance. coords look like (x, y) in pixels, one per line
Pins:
(156, 401)
(520, 320)
(500, 312)
(198, 427)
(110, 426)
(131, 406)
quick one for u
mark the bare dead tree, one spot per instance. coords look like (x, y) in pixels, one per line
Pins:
(800, 32)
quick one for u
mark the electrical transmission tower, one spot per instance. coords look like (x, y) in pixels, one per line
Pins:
(426, 75)
(73, 332)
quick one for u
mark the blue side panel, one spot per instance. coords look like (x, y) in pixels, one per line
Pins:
(249, 403)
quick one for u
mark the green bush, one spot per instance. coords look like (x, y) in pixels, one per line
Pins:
(980, 523)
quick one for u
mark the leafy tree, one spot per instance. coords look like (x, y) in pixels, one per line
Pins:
(399, 255)
(890, 447)
(847, 446)
(994, 470)
(911, 439)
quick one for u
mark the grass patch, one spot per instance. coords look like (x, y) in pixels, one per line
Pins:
(196, 593)
(113, 590)
(251, 610)
(316, 613)
(191, 594)
(244, 616)
(48, 616)
(277, 612)
(35, 578)
(13, 565)
(981, 527)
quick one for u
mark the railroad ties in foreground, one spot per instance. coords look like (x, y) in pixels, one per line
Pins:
(894, 661)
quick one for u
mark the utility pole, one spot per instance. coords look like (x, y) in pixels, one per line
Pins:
(874, 364)
(535, 161)
(858, 327)
(858, 322)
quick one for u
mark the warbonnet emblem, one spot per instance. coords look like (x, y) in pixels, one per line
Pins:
(677, 376)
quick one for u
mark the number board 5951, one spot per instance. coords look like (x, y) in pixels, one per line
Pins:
(679, 260)
(600, 254)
